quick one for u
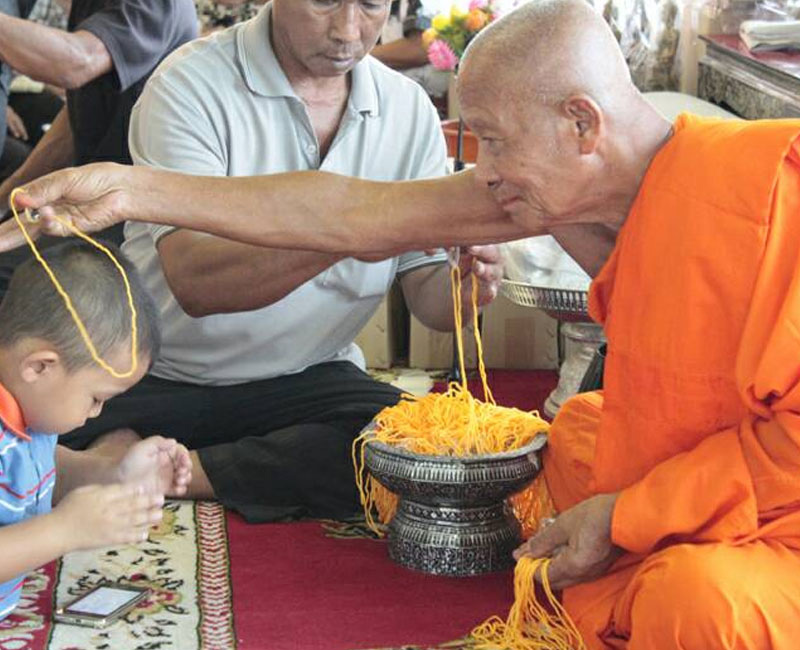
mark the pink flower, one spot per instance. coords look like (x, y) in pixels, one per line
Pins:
(441, 55)
(478, 4)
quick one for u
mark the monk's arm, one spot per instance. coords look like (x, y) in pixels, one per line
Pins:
(300, 210)
(330, 213)
(741, 478)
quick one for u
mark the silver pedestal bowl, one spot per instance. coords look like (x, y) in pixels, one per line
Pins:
(451, 517)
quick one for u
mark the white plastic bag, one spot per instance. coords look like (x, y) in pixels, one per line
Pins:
(542, 262)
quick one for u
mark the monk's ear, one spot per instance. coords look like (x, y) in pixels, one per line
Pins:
(587, 121)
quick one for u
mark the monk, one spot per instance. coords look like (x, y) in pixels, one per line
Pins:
(678, 485)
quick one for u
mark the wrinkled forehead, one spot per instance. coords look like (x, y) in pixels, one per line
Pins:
(487, 101)
(479, 94)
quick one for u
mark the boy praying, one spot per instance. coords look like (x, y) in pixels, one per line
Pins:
(51, 384)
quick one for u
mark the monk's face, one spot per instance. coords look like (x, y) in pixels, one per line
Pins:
(523, 154)
(326, 38)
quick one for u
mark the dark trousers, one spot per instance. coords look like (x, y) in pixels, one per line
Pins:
(15, 152)
(274, 449)
(36, 110)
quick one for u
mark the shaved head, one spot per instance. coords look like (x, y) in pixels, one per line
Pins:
(549, 50)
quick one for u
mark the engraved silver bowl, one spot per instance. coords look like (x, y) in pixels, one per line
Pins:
(452, 518)
(566, 305)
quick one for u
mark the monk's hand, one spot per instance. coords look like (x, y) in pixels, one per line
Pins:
(578, 541)
(484, 265)
(90, 198)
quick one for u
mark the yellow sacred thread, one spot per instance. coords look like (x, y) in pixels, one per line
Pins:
(68, 302)
(530, 625)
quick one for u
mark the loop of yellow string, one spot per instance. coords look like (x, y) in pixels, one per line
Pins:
(68, 301)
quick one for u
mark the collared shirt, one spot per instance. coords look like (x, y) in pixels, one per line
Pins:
(27, 478)
(222, 106)
(138, 34)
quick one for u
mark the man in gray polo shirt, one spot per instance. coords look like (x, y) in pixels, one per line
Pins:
(259, 373)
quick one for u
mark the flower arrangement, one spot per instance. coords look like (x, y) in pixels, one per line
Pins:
(451, 31)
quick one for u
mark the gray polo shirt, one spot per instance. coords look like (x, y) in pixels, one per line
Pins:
(222, 106)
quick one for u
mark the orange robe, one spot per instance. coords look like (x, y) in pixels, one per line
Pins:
(698, 425)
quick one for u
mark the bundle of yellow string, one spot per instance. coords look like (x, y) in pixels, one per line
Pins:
(455, 423)
(529, 625)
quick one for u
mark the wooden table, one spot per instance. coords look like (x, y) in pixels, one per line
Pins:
(761, 85)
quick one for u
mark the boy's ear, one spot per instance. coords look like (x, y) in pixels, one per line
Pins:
(39, 365)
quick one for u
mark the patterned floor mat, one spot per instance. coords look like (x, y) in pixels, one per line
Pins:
(185, 564)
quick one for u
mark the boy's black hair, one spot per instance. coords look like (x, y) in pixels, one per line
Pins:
(32, 307)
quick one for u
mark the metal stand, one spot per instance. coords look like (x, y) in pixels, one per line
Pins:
(581, 336)
(580, 342)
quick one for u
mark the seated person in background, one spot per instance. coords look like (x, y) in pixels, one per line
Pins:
(17, 9)
(401, 48)
(15, 148)
(259, 373)
(103, 62)
(49, 384)
(32, 105)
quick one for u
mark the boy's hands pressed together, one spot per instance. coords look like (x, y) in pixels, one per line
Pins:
(94, 516)
(158, 465)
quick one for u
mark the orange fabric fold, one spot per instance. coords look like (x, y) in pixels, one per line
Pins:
(698, 425)
(701, 304)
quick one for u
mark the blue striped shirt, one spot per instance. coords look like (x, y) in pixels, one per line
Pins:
(27, 478)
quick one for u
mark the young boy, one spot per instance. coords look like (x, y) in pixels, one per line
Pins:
(49, 385)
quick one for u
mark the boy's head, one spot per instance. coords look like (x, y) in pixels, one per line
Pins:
(44, 362)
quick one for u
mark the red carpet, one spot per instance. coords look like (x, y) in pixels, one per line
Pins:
(296, 589)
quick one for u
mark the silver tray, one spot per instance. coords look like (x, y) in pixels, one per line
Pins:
(561, 304)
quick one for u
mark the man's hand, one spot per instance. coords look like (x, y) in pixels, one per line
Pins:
(91, 198)
(578, 541)
(101, 515)
(16, 126)
(158, 465)
(483, 264)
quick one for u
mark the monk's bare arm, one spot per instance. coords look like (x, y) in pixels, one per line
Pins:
(331, 213)
(300, 210)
